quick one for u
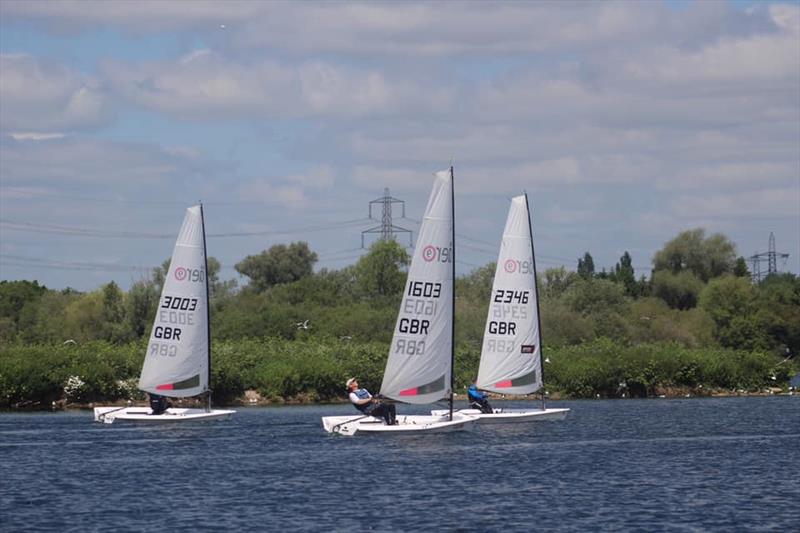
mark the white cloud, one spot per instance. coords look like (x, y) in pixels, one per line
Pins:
(319, 177)
(761, 57)
(395, 178)
(70, 16)
(265, 191)
(34, 136)
(110, 166)
(733, 174)
(205, 84)
(294, 191)
(42, 97)
(763, 202)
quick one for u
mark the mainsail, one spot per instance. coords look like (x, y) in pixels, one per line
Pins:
(511, 356)
(177, 359)
(419, 367)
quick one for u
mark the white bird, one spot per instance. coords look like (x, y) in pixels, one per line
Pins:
(70, 341)
(302, 325)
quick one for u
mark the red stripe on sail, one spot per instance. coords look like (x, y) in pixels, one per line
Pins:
(503, 384)
(409, 392)
(167, 386)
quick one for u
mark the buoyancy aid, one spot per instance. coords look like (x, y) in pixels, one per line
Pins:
(363, 394)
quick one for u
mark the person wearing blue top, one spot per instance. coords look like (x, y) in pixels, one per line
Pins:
(369, 405)
(479, 400)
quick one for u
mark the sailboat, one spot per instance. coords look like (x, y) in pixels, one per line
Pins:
(511, 355)
(178, 358)
(419, 369)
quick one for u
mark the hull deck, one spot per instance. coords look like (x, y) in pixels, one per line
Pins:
(109, 415)
(511, 416)
(406, 425)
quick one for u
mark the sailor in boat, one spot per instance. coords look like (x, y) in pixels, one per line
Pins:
(367, 404)
(158, 404)
(478, 399)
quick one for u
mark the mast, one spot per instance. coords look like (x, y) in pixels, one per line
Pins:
(453, 292)
(536, 289)
(208, 305)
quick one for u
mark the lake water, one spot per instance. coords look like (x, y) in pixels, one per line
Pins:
(728, 464)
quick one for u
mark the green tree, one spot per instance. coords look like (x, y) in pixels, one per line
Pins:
(279, 264)
(706, 258)
(113, 310)
(680, 290)
(778, 302)
(45, 320)
(218, 289)
(160, 275)
(381, 271)
(731, 304)
(141, 305)
(556, 281)
(114, 327)
(740, 268)
(473, 292)
(586, 266)
(14, 296)
(624, 273)
(84, 318)
(595, 296)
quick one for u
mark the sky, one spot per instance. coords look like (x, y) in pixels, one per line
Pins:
(625, 122)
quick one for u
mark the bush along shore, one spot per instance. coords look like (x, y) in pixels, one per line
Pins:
(275, 370)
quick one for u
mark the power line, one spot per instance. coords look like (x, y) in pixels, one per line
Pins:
(72, 231)
(30, 193)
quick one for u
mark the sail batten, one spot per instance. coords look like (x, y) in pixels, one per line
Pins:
(419, 367)
(176, 363)
(511, 351)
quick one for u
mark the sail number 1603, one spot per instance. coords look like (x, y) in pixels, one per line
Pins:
(425, 289)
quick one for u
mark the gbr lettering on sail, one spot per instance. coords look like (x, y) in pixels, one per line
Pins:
(176, 313)
(421, 305)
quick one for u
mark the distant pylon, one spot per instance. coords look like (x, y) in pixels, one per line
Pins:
(770, 257)
(387, 229)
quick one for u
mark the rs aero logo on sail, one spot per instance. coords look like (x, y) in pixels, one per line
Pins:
(189, 274)
(522, 267)
(438, 254)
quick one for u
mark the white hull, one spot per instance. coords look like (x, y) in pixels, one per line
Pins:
(509, 416)
(406, 425)
(143, 414)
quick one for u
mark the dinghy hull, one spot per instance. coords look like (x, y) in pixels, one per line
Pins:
(110, 415)
(406, 425)
(510, 416)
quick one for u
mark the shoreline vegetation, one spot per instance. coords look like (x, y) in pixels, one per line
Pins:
(275, 371)
(699, 326)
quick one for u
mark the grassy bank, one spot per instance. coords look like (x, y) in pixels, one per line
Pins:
(314, 370)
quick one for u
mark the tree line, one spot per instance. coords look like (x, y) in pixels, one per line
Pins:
(310, 329)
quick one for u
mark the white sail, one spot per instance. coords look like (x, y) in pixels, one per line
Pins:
(176, 363)
(511, 352)
(420, 358)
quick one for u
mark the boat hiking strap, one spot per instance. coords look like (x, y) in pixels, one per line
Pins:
(337, 426)
(102, 416)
